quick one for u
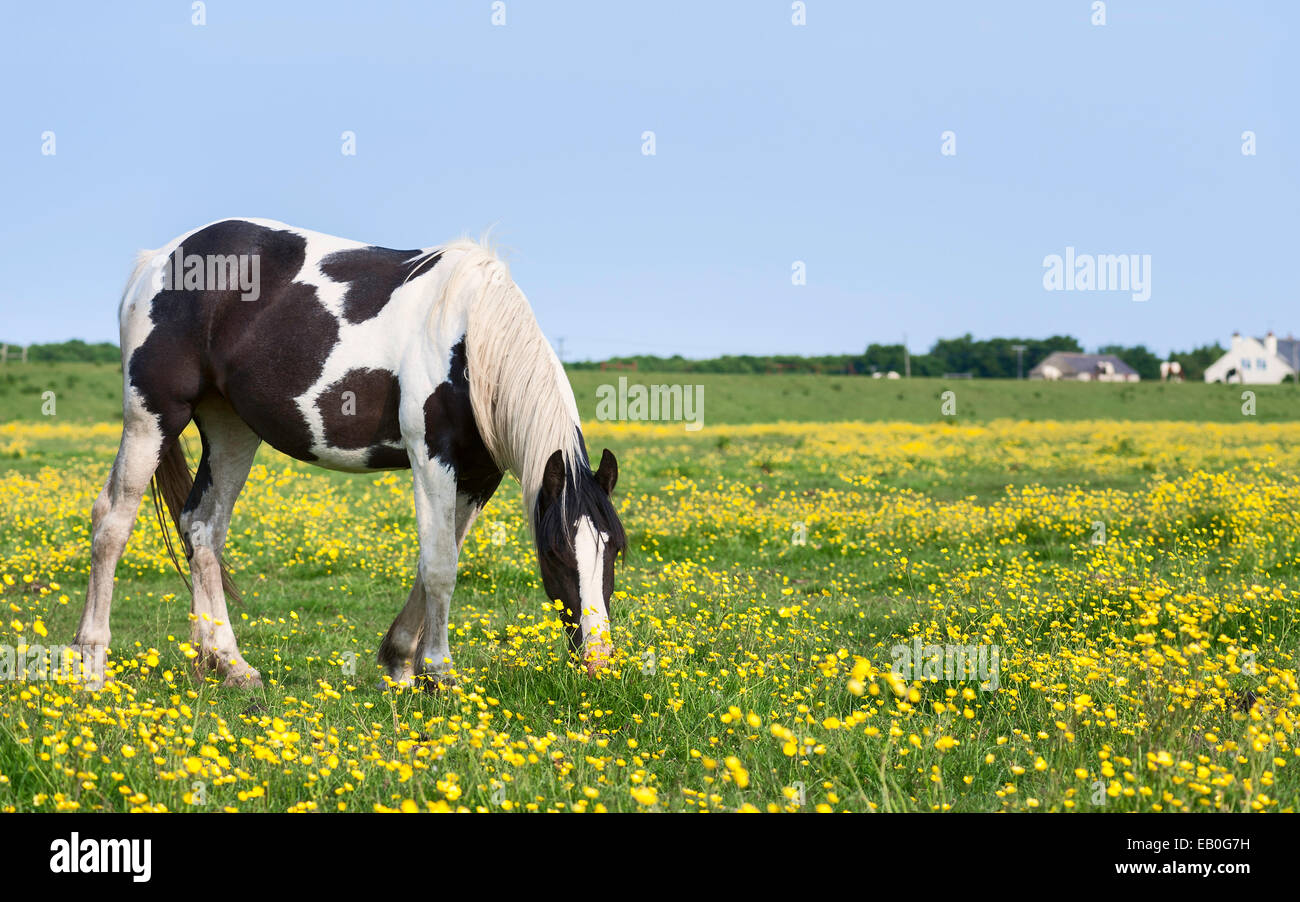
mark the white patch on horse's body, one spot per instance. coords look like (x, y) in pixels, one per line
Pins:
(395, 341)
(375, 351)
(319, 246)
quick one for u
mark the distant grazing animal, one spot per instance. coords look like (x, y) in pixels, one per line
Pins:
(357, 358)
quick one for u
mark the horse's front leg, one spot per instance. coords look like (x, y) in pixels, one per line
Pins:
(435, 517)
(399, 652)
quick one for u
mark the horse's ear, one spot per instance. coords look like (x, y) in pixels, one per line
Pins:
(607, 473)
(552, 480)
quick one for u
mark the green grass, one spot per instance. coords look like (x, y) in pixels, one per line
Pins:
(928, 530)
(83, 392)
(87, 393)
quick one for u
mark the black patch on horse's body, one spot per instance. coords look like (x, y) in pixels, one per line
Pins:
(275, 355)
(452, 436)
(373, 274)
(165, 370)
(374, 404)
(387, 457)
(259, 354)
(202, 478)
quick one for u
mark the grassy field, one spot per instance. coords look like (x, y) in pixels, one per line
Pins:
(1139, 580)
(92, 393)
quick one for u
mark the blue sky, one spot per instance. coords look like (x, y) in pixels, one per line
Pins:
(774, 143)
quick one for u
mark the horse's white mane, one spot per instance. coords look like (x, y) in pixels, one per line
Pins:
(517, 387)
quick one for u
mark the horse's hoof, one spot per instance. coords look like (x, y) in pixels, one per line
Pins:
(89, 668)
(248, 679)
(435, 683)
(207, 664)
(599, 658)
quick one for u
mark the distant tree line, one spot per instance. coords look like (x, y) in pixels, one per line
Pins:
(992, 358)
(742, 363)
(74, 351)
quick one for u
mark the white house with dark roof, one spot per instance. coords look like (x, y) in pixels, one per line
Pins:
(1264, 361)
(1084, 368)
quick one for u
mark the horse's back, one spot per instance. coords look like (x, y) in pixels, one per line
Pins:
(297, 330)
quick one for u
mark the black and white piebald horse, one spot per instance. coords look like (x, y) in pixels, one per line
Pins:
(355, 358)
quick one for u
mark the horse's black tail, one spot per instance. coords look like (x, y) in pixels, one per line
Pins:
(173, 480)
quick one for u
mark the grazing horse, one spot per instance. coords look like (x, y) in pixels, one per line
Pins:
(356, 358)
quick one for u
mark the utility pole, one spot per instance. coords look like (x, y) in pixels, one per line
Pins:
(1020, 360)
(560, 348)
(907, 359)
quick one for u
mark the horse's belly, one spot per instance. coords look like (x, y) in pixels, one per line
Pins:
(361, 460)
(350, 424)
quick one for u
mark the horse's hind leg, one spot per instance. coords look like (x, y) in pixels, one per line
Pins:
(229, 446)
(111, 518)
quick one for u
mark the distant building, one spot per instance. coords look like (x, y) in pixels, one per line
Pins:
(1067, 365)
(1266, 360)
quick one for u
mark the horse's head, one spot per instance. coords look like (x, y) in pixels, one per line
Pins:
(578, 536)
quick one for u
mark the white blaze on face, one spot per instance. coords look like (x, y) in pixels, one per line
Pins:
(589, 547)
